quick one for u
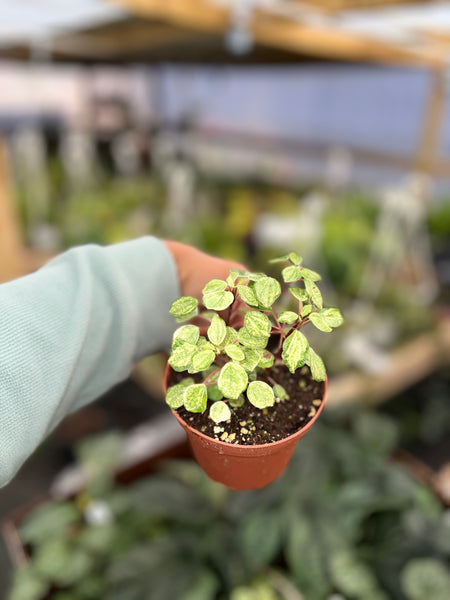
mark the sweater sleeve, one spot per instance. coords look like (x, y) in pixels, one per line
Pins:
(72, 330)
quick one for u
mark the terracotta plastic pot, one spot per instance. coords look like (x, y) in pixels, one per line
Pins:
(239, 466)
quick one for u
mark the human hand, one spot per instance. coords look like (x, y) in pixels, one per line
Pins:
(196, 268)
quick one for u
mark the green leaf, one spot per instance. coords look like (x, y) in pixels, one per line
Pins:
(247, 295)
(48, 520)
(351, 576)
(232, 380)
(260, 394)
(316, 365)
(187, 333)
(231, 279)
(306, 310)
(214, 393)
(217, 330)
(249, 341)
(314, 293)
(214, 286)
(267, 290)
(332, 316)
(218, 301)
(180, 357)
(287, 316)
(175, 396)
(308, 274)
(202, 360)
(280, 392)
(293, 257)
(318, 321)
(195, 398)
(235, 352)
(252, 358)
(299, 294)
(184, 308)
(257, 324)
(220, 411)
(426, 578)
(261, 537)
(231, 336)
(266, 360)
(295, 348)
(237, 402)
(291, 274)
(28, 585)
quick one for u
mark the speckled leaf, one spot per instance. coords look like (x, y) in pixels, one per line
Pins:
(306, 310)
(247, 295)
(295, 348)
(202, 360)
(266, 360)
(181, 356)
(318, 321)
(217, 330)
(218, 300)
(280, 392)
(235, 352)
(231, 336)
(184, 308)
(232, 380)
(257, 324)
(260, 394)
(187, 333)
(219, 411)
(214, 286)
(287, 316)
(308, 274)
(314, 293)
(291, 274)
(195, 398)
(299, 294)
(332, 316)
(248, 340)
(316, 365)
(175, 396)
(252, 358)
(267, 290)
(231, 279)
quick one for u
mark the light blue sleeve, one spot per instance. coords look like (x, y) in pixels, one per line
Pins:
(72, 330)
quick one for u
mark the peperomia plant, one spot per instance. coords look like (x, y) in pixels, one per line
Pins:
(231, 359)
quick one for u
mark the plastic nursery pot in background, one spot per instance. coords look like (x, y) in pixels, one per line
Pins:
(238, 466)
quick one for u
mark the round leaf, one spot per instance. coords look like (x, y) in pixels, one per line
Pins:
(287, 316)
(202, 360)
(299, 294)
(279, 391)
(235, 352)
(332, 316)
(306, 310)
(217, 330)
(248, 340)
(267, 360)
(175, 396)
(184, 308)
(257, 324)
(247, 295)
(214, 393)
(308, 274)
(260, 394)
(180, 357)
(187, 333)
(231, 336)
(267, 290)
(214, 286)
(195, 398)
(218, 300)
(318, 321)
(291, 274)
(219, 411)
(295, 348)
(314, 293)
(232, 380)
(252, 358)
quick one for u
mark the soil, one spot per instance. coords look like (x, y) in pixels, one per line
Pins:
(249, 425)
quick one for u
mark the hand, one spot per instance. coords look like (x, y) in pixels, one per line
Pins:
(196, 268)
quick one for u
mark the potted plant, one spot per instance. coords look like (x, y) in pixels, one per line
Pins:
(245, 395)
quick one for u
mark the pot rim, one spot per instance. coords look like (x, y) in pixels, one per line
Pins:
(229, 446)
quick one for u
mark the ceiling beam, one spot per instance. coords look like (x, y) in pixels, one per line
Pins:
(285, 33)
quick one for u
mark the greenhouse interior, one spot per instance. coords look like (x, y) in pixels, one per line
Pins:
(307, 146)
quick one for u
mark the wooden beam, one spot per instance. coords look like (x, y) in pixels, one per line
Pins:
(333, 6)
(13, 260)
(287, 34)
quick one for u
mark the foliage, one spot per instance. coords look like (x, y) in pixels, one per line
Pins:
(231, 359)
(343, 518)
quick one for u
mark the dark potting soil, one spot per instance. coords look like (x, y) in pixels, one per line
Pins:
(249, 425)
